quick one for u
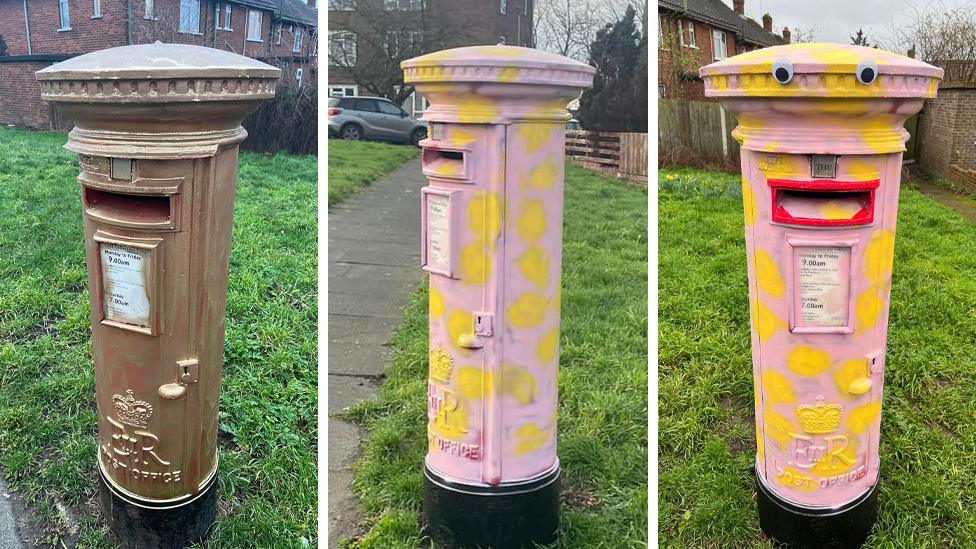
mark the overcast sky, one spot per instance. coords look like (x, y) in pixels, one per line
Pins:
(838, 19)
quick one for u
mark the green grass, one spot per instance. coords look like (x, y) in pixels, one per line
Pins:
(707, 439)
(602, 386)
(355, 164)
(268, 495)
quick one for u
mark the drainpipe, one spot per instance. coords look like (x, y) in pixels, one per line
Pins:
(128, 21)
(30, 50)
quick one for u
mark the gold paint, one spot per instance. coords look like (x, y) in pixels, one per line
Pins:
(485, 214)
(475, 264)
(819, 418)
(529, 438)
(535, 135)
(474, 108)
(777, 427)
(861, 169)
(749, 206)
(767, 274)
(508, 74)
(807, 361)
(547, 347)
(528, 311)
(879, 257)
(471, 382)
(543, 176)
(441, 365)
(459, 323)
(531, 224)
(868, 308)
(459, 136)
(435, 302)
(760, 444)
(535, 267)
(765, 321)
(833, 209)
(777, 388)
(863, 417)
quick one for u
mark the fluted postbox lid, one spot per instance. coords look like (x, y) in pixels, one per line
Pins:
(820, 70)
(495, 84)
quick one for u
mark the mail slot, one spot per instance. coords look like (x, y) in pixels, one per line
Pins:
(492, 245)
(821, 128)
(157, 176)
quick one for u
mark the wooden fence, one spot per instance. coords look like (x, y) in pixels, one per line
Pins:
(621, 154)
(695, 132)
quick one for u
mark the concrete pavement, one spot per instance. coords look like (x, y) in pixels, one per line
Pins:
(374, 267)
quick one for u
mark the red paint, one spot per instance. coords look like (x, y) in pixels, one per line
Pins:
(864, 216)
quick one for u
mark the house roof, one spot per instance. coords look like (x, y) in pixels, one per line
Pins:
(718, 14)
(294, 11)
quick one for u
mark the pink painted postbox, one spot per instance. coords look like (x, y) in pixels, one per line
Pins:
(492, 235)
(821, 129)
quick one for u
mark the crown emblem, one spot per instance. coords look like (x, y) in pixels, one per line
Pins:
(131, 411)
(819, 418)
(441, 366)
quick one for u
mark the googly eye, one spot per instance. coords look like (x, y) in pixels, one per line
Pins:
(867, 71)
(783, 71)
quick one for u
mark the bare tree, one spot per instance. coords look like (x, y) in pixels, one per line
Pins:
(568, 27)
(939, 35)
(802, 35)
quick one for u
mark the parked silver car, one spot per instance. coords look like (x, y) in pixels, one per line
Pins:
(374, 118)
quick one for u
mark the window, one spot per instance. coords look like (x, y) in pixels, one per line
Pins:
(65, 16)
(389, 108)
(686, 33)
(299, 72)
(403, 43)
(299, 34)
(277, 34)
(96, 9)
(503, 7)
(254, 25)
(228, 9)
(525, 8)
(403, 5)
(343, 90)
(149, 10)
(342, 5)
(342, 49)
(190, 16)
(719, 47)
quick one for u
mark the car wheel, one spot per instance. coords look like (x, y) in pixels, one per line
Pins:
(351, 132)
(418, 135)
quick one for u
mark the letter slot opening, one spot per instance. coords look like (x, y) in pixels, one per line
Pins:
(133, 211)
(444, 163)
(823, 203)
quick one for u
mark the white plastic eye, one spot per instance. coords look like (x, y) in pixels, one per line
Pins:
(867, 71)
(783, 71)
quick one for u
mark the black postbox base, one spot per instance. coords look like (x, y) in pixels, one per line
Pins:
(802, 527)
(508, 516)
(141, 525)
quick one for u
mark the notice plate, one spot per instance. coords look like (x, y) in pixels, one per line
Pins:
(125, 294)
(438, 232)
(823, 277)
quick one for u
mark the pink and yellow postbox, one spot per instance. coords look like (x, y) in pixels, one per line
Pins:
(492, 239)
(821, 129)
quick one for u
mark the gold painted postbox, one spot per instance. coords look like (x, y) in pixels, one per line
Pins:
(157, 129)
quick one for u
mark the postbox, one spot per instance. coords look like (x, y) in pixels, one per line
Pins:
(157, 128)
(492, 238)
(821, 133)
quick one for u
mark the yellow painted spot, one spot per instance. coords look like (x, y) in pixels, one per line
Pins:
(519, 384)
(863, 417)
(446, 168)
(807, 361)
(778, 427)
(879, 256)
(528, 311)
(498, 51)
(543, 176)
(933, 86)
(861, 169)
(474, 263)
(839, 459)
(777, 388)
(557, 296)
(749, 203)
(535, 267)
(881, 133)
(435, 302)
(531, 224)
(485, 213)
(760, 444)
(529, 438)
(772, 146)
(535, 135)
(868, 308)
(833, 209)
(459, 323)
(508, 74)
(767, 273)
(460, 136)
(546, 349)
(451, 420)
(766, 322)
(848, 372)
(796, 479)
(474, 108)
(471, 382)
(836, 60)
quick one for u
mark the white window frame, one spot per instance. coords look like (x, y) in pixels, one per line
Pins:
(277, 33)
(502, 7)
(148, 12)
(64, 13)
(396, 38)
(719, 34)
(299, 73)
(403, 5)
(692, 42)
(190, 8)
(228, 15)
(96, 9)
(299, 34)
(342, 89)
(253, 33)
(525, 8)
(217, 15)
(341, 5)
(343, 36)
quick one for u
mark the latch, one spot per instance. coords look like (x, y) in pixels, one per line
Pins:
(187, 371)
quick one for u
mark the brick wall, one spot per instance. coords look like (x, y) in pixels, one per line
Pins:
(690, 54)
(20, 94)
(947, 134)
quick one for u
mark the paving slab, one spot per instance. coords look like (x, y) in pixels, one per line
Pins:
(374, 267)
(8, 525)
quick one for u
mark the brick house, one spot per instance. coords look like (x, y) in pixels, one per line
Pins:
(368, 38)
(694, 33)
(39, 33)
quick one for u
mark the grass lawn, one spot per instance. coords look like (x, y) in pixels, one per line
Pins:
(268, 495)
(707, 438)
(602, 386)
(355, 164)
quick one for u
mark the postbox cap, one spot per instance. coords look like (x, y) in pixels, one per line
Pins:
(820, 70)
(158, 72)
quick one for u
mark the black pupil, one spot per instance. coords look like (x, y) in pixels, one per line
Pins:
(782, 74)
(867, 75)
